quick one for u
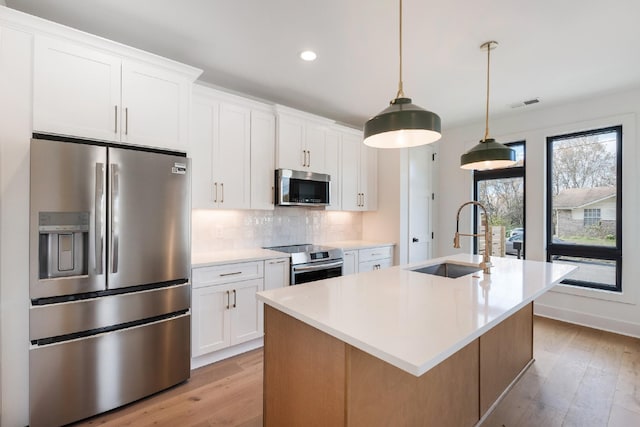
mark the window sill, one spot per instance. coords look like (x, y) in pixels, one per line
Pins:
(601, 294)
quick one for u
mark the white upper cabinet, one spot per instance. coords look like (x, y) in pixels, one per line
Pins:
(220, 149)
(263, 147)
(292, 152)
(231, 157)
(76, 90)
(301, 143)
(89, 92)
(332, 162)
(359, 174)
(155, 105)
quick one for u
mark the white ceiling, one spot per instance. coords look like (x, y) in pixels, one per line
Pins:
(557, 50)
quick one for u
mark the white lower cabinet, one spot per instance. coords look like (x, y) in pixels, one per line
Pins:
(350, 265)
(225, 311)
(375, 265)
(276, 273)
(369, 259)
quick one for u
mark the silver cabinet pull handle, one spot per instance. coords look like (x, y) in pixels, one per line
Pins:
(234, 298)
(215, 192)
(115, 128)
(277, 262)
(309, 161)
(126, 121)
(98, 232)
(362, 200)
(227, 300)
(304, 158)
(222, 191)
(231, 274)
(115, 200)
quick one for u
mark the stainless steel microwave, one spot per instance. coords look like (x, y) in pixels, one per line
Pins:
(298, 188)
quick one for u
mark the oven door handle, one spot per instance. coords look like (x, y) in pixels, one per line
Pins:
(317, 266)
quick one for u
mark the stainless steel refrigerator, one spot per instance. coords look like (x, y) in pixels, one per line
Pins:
(109, 277)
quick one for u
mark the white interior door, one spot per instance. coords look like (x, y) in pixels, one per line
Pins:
(420, 191)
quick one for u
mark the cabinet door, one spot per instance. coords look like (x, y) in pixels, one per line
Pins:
(263, 138)
(291, 153)
(154, 107)
(76, 90)
(369, 177)
(204, 119)
(350, 262)
(276, 273)
(332, 163)
(231, 157)
(314, 139)
(210, 319)
(246, 318)
(375, 265)
(350, 173)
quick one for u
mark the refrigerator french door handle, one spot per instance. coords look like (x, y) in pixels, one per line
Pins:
(114, 216)
(98, 232)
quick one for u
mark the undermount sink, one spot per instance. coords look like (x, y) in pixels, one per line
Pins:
(448, 269)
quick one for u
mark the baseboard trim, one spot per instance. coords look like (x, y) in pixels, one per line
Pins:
(589, 320)
(207, 359)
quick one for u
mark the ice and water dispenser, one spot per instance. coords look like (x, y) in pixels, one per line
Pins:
(64, 244)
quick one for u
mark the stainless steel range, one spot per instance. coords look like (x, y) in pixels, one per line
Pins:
(311, 262)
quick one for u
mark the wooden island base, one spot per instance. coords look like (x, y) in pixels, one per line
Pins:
(314, 379)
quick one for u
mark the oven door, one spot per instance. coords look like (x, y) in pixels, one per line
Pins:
(304, 273)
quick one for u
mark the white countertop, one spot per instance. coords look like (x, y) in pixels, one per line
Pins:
(356, 244)
(413, 320)
(209, 259)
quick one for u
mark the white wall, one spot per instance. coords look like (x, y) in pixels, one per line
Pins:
(599, 309)
(389, 222)
(214, 230)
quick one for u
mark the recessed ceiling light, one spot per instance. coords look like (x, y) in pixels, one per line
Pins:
(308, 55)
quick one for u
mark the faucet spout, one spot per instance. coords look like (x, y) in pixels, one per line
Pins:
(486, 258)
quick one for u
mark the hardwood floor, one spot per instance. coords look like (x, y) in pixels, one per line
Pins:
(581, 377)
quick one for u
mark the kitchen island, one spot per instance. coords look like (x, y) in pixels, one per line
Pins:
(399, 347)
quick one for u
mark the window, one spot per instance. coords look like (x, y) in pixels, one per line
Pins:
(502, 192)
(584, 206)
(591, 217)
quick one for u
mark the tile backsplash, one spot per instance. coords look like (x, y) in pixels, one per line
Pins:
(214, 230)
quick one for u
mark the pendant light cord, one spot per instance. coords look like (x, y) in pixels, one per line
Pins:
(400, 93)
(486, 120)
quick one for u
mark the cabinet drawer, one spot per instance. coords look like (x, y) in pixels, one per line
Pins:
(375, 265)
(372, 254)
(227, 273)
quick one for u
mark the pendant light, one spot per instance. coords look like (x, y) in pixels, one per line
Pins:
(402, 124)
(488, 153)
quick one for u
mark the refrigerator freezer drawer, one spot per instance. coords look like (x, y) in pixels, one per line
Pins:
(54, 320)
(76, 379)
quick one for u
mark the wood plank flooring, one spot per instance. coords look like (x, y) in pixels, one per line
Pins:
(581, 377)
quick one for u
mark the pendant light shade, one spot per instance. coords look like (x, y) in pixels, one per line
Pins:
(402, 124)
(488, 153)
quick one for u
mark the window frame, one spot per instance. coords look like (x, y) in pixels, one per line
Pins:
(587, 251)
(508, 172)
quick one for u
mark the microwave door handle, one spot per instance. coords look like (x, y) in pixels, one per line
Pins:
(98, 213)
(318, 266)
(114, 216)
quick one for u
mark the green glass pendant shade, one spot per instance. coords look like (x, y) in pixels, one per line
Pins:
(488, 154)
(402, 124)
